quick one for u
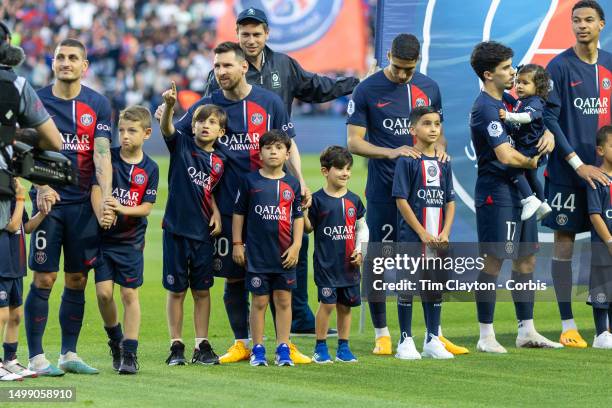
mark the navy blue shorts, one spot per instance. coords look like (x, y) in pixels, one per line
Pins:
(262, 284)
(122, 264)
(382, 221)
(11, 292)
(600, 286)
(348, 296)
(569, 208)
(74, 228)
(187, 263)
(223, 265)
(502, 234)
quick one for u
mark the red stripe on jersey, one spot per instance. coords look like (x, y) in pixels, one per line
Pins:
(440, 223)
(508, 106)
(216, 171)
(285, 201)
(605, 93)
(423, 173)
(424, 217)
(419, 98)
(546, 172)
(85, 122)
(257, 125)
(350, 219)
(22, 250)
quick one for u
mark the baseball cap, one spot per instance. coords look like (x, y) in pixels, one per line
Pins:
(252, 14)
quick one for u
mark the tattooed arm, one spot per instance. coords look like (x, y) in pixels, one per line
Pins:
(104, 169)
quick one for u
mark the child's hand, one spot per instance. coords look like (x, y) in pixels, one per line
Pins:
(290, 256)
(19, 189)
(429, 239)
(169, 96)
(356, 258)
(443, 240)
(238, 255)
(215, 223)
(306, 197)
(502, 114)
(108, 218)
(112, 204)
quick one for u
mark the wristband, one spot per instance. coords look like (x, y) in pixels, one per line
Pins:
(609, 241)
(20, 199)
(575, 162)
(238, 243)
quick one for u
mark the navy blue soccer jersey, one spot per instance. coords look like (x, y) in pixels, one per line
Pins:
(383, 107)
(270, 207)
(577, 106)
(600, 202)
(427, 185)
(527, 135)
(192, 177)
(488, 132)
(247, 120)
(16, 267)
(334, 221)
(79, 121)
(133, 185)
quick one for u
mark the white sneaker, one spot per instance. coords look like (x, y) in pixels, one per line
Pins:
(16, 368)
(603, 341)
(6, 375)
(530, 206)
(543, 210)
(406, 350)
(435, 349)
(490, 345)
(534, 339)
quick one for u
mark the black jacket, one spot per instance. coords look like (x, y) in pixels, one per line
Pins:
(284, 76)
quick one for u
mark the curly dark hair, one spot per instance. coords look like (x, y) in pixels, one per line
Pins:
(541, 78)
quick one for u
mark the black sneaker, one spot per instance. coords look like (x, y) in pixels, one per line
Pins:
(205, 355)
(129, 363)
(177, 354)
(115, 351)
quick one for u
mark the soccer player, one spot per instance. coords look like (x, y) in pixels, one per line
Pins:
(191, 221)
(135, 178)
(12, 271)
(600, 210)
(337, 218)
(578, 105)
(251, 111)
(83, 117)
(380, 107)
(498, 208)
(269, 200)
(423, 219)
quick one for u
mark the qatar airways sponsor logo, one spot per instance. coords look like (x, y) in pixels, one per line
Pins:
(593, 106)
(340, 232)
(126, 197)
(240, 141)
(432, 196)
(271, 212)
(199, 177)
(397, 126)
(78, 143)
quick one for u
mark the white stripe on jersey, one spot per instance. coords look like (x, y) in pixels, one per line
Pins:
(433, 220)
(74, 114)
(597, 77)
(278, 190)
(244, 114)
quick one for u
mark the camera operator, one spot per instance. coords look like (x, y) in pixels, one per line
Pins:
(20, 106)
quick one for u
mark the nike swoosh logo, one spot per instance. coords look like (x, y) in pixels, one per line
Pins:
(256, 190)
(431, 181)
(131, 279)
(573, 84)
(290, 281)
(382, 104)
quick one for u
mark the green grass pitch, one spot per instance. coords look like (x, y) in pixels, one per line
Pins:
(520, 378)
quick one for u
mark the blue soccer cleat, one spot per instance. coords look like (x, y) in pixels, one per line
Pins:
(71, 363)
(283, 355)
(321, 354)
(258, 356)
(344, 354)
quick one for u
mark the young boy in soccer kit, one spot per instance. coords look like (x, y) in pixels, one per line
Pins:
(423, 190)
(600, 211)
(269, 202)
(190, 222)
(12, 270)
(135, 179)
(336, 216)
